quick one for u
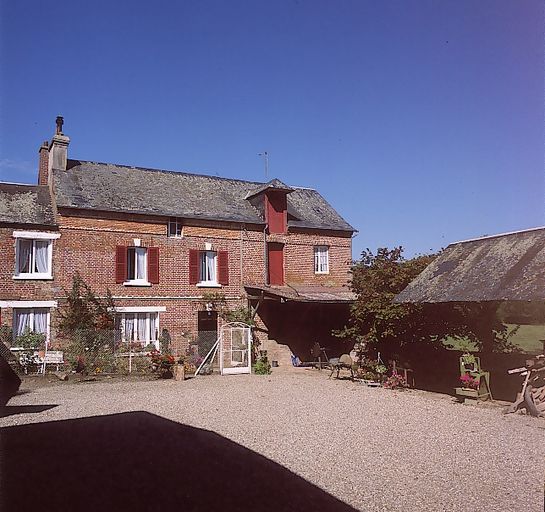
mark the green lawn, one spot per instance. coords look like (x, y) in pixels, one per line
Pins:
(527, 338)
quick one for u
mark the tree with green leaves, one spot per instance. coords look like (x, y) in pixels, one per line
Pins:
(84, 310)
(87, 321)
(377, 320)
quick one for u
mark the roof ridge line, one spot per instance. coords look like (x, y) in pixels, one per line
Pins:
(497, 235)
(167, 171)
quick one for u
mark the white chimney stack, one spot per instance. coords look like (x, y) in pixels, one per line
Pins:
(58, 149)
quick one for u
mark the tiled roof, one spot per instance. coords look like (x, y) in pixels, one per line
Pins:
(26, 204)
(111, 187)
(496, 268)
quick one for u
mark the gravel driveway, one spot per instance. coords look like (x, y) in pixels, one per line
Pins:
(374, 449)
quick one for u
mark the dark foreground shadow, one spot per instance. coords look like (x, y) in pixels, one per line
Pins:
(10, 410)
(139, 461)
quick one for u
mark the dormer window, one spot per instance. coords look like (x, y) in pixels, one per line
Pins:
(270, 199)
(276, 211)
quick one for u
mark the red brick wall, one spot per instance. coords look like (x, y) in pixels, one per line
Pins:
(88, 244)
(43, 164)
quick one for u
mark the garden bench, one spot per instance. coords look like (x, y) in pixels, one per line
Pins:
(54, 357)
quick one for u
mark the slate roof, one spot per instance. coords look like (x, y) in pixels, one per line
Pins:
(26, 204)
(502, 267)
(119, 188)
(322, 294)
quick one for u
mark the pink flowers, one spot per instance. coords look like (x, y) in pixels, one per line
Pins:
(468, 381)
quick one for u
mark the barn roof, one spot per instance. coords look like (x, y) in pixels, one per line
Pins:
(120, 188)
(26, 204)
(510, 266)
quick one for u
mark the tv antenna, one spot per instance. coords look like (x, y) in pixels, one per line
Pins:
(265, 156)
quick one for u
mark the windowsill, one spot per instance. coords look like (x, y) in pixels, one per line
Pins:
(36, 277)
(136, 283)
(204, 284)
(322, 273)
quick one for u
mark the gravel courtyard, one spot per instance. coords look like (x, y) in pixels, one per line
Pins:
(373, 449)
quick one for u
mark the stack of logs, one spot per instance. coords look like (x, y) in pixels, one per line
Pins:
(532, 394)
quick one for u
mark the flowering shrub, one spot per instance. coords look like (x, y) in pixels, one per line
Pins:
(395, 381)
(468, 381)
(162, 364)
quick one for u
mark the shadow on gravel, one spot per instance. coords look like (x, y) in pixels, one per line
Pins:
(139, 461)
(10, 410)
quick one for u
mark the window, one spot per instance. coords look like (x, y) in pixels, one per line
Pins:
(321, 259)
(31, 319)
(137, 262)
(142, 328)
(208, 268)
(175, 228)
(34, 254)
(136, 266)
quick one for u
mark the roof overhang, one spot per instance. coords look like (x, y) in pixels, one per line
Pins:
(308, 294)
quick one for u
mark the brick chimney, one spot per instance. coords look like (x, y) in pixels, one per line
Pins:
(58, 148)
(43, 164)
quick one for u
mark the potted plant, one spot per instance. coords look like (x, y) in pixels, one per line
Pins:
(469, 382)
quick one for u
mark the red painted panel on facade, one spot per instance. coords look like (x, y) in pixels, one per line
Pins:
(193, 266)
(277, 207)
(275, 253)
(153, 265)
(120, 264)
(223, 267)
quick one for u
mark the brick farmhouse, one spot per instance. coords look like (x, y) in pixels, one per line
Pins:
(165, 242)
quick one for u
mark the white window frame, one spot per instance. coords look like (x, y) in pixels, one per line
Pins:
(137, 282)
(32, 308)
(34, 236)
(178, 227)
(318, 266)
(202, 264)
(135, 311)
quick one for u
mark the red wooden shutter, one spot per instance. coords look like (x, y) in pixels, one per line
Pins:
(153, 265)
(120, 264)
(193, 266)
(223, 267)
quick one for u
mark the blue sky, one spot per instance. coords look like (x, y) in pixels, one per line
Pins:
(422, 122)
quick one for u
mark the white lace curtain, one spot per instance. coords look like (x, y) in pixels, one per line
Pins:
(33, 256)
(208, 266)
(143, 325)
(140, 263)
(42, 256)
(321, 259)
(24, 256)
(30, 319)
